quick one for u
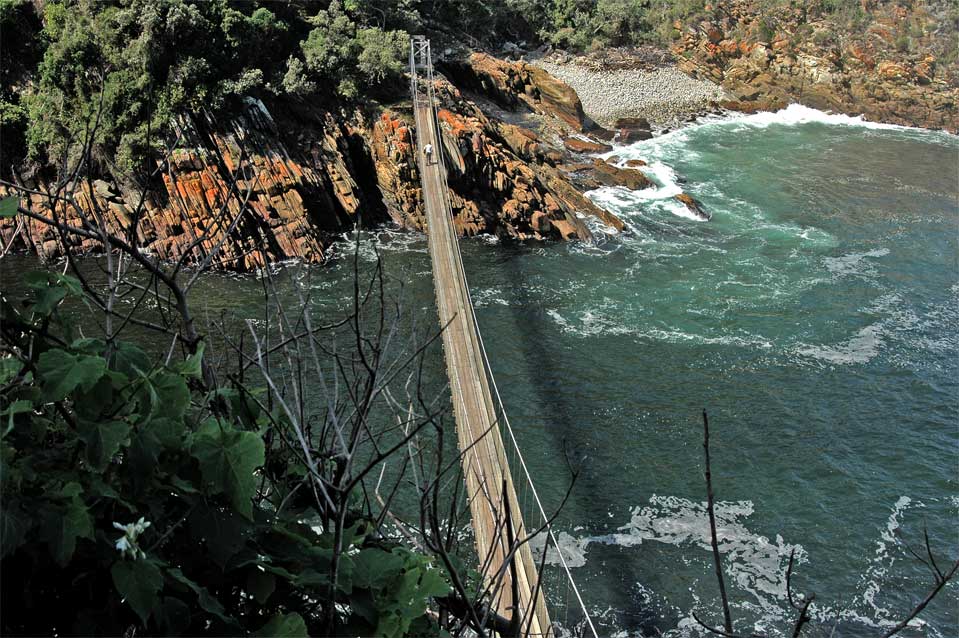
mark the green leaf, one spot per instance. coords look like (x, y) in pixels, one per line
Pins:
(50, 288)
(103, 441)
(15, 408)
(227, 460)
(145, 448)
(168, 431)
(192, 366)
(88, 345)
(260, 584)
(62, 372)
(363, 605)
(130, 360)
(433, 584)
(139, 582)
(283, 626)
(224, 532)
(374, 568)
(62, 525)
(98, 400)
(206, 600)
(9, 367)
(8, 206)
(47, 300)
(40, 279)
(172, 393)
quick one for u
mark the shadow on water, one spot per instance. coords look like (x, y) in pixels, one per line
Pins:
(545, 369)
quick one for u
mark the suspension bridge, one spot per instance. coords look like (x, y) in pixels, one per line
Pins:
(481, 423)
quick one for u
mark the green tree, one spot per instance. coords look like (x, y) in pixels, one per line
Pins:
(352, 58)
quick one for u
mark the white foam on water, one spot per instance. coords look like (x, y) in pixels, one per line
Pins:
(598, 321)
(860, 348)
(753, 562)
(899, 323)
(624, 202)
(488, 297)
(666, 179)
(798, 114)
(863, 607)
(854, 263)
(793, 115)
(385, 239)
(573, 549)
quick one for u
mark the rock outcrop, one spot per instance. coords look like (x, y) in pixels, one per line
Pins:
(233, 189)
(886, 69)
(279, 181)
(509, 83)
(694, 206)
(501, 179)
(580, 145)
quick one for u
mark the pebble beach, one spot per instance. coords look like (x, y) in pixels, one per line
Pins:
(665, 96)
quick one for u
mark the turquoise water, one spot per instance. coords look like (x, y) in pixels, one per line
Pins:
(815, 318)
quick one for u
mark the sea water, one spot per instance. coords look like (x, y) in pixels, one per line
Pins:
(814, 318)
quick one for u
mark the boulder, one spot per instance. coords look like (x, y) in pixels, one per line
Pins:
(579, 145)
(632, 123)
(628, 136)
(603, 134)
(610, 175)
(889, 70)
(556, 97)
(540, 222)
(712, 31)
(511, 84)
(694, 206)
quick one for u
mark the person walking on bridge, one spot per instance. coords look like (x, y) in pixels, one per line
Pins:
(428, 151)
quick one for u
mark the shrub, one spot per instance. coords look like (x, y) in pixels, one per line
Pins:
(131, 498)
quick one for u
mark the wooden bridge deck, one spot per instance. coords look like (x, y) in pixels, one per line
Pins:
(485, 462)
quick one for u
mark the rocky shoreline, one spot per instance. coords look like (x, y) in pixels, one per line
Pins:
(521, 136)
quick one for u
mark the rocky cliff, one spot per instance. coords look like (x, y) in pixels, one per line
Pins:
(881, 60)
(239, 190)
(278, 181)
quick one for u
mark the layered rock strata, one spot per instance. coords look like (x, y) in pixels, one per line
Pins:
(232, 193)
(278, 182)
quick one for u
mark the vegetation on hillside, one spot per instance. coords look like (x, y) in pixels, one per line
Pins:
(136, 64)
